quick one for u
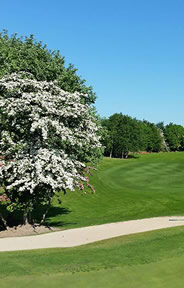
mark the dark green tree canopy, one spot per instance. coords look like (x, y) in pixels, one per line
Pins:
(152, 137)
(27, 54)
(174, 135)
(125, 134)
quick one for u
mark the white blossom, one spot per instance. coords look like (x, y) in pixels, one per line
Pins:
(47, 132)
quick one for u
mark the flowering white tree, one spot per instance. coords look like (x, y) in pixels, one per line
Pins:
(47, 136)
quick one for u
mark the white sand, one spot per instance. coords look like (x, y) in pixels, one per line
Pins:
(81, 236)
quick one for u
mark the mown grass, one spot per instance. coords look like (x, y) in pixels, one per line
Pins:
(151, 259)
(147, 186)
(151, 185)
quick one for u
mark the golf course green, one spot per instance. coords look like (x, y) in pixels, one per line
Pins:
(145, 186)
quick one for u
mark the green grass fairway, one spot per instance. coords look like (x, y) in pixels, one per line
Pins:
(150, 185)
(153, 259)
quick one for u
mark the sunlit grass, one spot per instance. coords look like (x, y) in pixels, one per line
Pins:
(150, 185)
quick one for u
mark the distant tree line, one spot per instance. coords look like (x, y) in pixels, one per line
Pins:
(123, 134)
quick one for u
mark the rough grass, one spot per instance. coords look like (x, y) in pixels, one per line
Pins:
(147, 186)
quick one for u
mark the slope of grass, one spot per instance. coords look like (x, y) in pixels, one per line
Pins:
(152, 259)
(150, 185)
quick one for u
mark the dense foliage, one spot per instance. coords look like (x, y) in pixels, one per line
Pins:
(125, 134)
(174, 135)
(26, 54)
(47, 135)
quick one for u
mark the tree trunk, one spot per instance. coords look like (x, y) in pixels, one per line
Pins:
(27, 217)
(4, 221)
(124, 155)
(110, 154)
(45, 214)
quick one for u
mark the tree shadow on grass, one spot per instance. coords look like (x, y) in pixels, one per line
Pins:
(130, 156)
(53, 217)
(12, 218)
(133, 156)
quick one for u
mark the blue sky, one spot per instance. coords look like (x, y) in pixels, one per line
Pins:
(131, 52)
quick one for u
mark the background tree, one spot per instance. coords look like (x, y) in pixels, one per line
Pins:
(125, 135)
(161, 125)
(152, 137)
(164, 145)
(174, 135)
(107, 138)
